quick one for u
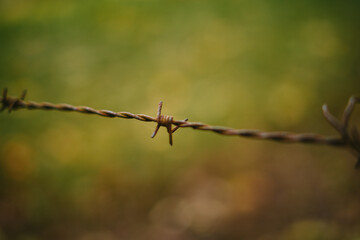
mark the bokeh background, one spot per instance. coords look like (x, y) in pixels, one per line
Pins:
(266, 65)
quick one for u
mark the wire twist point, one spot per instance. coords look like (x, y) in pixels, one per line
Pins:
(166, 121)
(11, 103)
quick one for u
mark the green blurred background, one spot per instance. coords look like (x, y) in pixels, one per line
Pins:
(266, 65)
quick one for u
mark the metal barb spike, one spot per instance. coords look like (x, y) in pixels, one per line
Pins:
(166, 121)
(350, 138)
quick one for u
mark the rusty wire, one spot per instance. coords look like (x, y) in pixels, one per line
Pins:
(348, 138)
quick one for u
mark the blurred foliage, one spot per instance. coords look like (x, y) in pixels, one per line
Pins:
(266, 65)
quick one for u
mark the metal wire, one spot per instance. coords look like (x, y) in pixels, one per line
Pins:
(347, 138)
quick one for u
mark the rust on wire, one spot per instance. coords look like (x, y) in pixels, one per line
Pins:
(348, 138)
(167, 122)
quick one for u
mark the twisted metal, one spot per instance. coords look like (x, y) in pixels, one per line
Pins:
(348, 138)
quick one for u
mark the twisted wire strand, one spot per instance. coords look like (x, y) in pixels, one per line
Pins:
(84, 109)
(288, 137)
(348, 138)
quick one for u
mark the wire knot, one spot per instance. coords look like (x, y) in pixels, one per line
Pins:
(166, 121)
(351, 137)
(11, 103)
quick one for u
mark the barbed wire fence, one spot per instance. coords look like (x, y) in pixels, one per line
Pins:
(349, 138)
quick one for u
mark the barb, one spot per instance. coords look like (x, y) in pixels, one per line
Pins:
(348, 138)
(167, 122)
(351, 138)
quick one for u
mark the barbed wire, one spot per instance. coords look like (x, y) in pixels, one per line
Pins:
(348, 138)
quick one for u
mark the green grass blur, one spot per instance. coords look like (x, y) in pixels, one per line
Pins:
(266, 65)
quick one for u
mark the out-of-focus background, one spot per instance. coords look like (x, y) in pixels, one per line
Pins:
(266, 65)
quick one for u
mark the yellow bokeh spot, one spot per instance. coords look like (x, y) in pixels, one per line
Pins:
(249, 191)
(17, 159)
(311, 229)
(320, 38)
(64, 142)
(287, 104)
